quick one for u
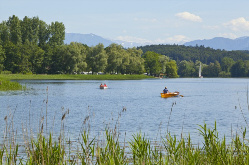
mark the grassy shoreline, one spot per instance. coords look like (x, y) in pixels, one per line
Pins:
(72, 77)
(6, 84)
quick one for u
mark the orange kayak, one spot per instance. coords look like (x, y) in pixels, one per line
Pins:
(170, 94)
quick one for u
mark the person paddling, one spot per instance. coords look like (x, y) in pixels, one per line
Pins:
(165, 90)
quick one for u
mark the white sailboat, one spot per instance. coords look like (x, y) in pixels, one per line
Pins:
(200, 76)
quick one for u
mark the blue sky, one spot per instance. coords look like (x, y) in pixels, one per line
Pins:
(151, 21)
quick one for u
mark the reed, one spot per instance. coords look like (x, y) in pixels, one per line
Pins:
(47, 148)
(45, 151)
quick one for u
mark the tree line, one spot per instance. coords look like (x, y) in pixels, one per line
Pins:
(32, 46)
(215, 63)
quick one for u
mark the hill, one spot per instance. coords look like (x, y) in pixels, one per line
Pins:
(241, 43)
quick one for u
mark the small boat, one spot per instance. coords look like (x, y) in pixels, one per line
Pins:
(103, 86)
(169, 94)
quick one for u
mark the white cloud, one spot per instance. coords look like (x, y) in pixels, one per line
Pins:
(177, 39)
(189, 17)
(133, 39)
(238, 24)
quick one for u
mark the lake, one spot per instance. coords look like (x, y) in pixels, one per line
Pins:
(132, 106)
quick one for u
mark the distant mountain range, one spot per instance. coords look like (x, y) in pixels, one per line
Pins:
(92, 40)
(241, 43)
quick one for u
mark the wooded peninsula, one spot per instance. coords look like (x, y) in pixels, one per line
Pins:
(31, 46)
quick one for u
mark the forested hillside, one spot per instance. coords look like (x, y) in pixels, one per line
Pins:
(200, 53)
(217, 63)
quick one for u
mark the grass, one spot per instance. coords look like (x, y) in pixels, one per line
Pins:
(7, 85)
(72, 77)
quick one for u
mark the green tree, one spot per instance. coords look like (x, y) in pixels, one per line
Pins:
(57, 34)
(163, 61)
(79, 52)
(115, 55)
(97, 59)
(136, 62)
(26, 30)
(187, 69)
(2, 57)
(212, 70)
(226, 64)
(47, 59)
(152, 64)
(171, 69)
(43, 34)
(238, 69)
(15, 29)
(24, 65)
(4, 33)
(62, 60)
(13, 57)
(36, 58)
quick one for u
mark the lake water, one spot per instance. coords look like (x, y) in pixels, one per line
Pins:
(223, 100)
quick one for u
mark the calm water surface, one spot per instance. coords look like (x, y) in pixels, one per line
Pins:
(205, 100)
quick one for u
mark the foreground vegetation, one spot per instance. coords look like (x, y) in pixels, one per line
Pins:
(43, 149)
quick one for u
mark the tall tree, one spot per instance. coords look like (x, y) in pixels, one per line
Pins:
(79, 52)
(2, 58)
(97, 59)
(163, 61)
(115, 55)
(15, 29)
(238, 69)
(62, 60)
(212, 70)
(152, 64)
(187, 69)
(136, 62)
(171, 69)
(26, 30)
(13, 57)
(57, 34)
(226, 64)
(4, 33)
(43, 34)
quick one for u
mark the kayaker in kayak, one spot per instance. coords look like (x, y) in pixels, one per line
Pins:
(165, 90)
